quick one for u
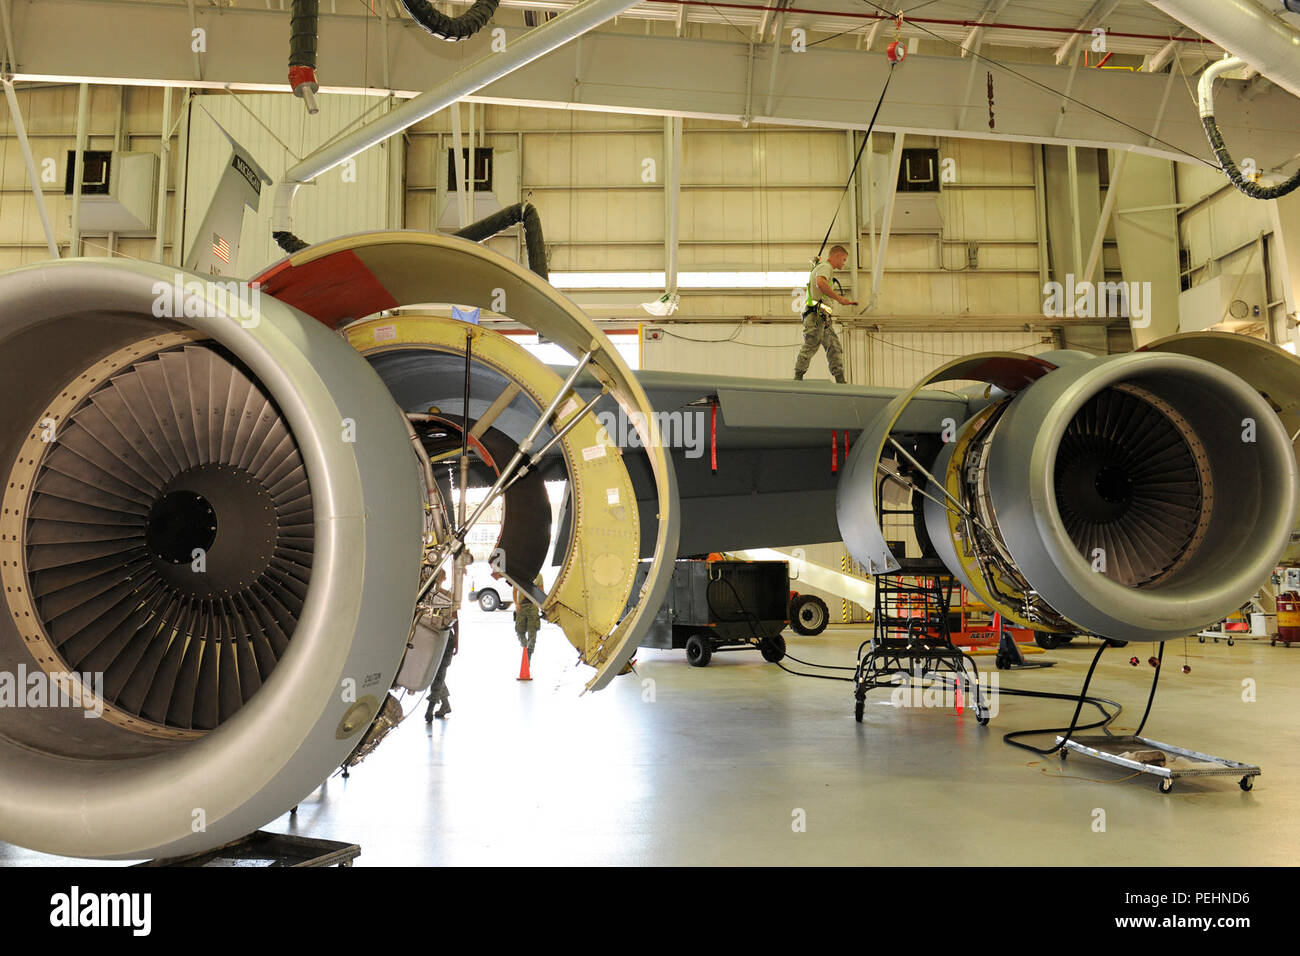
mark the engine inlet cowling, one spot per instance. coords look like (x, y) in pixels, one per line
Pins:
(210, 534)
(1139, 497)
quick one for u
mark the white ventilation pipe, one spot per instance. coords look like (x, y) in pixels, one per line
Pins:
(1245, 29)
(536, 43)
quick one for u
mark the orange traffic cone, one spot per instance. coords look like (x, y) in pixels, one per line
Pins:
(523, 668)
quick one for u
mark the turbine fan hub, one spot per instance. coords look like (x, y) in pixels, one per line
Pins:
(180, 523)
(1114, 485)
(213, 530)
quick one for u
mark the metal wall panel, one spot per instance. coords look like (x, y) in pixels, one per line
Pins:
(270, 126)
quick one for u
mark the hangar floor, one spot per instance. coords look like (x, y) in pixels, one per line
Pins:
(709, 766)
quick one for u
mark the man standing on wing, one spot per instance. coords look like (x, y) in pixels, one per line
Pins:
(817, 330)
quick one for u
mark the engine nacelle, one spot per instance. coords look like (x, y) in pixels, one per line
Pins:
(215, 523)
(211, 534)
(1139, 497)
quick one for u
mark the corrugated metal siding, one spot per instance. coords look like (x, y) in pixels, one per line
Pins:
(50, 117)
(327, 208)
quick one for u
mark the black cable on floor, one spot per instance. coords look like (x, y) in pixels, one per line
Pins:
(1160, 659)
(1012, 737)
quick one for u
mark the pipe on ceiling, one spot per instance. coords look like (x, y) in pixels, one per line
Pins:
(1247, 30)
(536, 43)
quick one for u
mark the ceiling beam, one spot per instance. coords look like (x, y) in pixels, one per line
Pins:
(629, 73)
(1094, 18)
(975, 38)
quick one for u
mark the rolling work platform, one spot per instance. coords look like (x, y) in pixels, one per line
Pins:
(912, 636)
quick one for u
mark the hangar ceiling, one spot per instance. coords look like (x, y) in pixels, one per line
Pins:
(728, 60)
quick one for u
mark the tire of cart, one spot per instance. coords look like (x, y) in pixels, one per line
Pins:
(699, 650)
(772, 649)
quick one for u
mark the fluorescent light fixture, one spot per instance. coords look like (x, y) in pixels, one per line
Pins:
(685, 280)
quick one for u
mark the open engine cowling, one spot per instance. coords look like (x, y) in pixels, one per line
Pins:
(212, 502)
(1139, 497)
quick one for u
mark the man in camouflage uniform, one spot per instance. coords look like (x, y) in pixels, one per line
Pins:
(817, 330)
(528, 618)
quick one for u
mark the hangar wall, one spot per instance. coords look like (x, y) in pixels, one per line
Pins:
(130, 117)
(1224, 232)
(758, 198)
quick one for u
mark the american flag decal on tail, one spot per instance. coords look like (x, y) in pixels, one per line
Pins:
(221, 248)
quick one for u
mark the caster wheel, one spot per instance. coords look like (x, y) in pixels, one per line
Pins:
(1064, 753)
(1200, 640)
(1231, 642)
(1246, 783)
(1166, 785)
(1272, 643)
(982, 718)
(859, 708)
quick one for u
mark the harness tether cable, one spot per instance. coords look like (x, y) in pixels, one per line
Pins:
(857, 159)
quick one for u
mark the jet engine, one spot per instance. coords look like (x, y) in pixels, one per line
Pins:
(211, 533)
(1138, 497)
(219, 530)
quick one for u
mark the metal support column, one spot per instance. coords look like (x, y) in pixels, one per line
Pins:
(33, 176)
(887, 219)
(74, 234)
(164, 157)
(672, 198)
(852, 199)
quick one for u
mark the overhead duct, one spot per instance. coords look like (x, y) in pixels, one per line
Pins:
(1247, 30)
(569, 25)
(212, 514)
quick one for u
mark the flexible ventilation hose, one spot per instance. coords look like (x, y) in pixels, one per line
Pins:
(302, 51)
(451, 28)
(1205, 99)
(523, 212)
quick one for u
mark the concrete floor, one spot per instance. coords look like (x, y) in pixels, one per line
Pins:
(683, 765)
